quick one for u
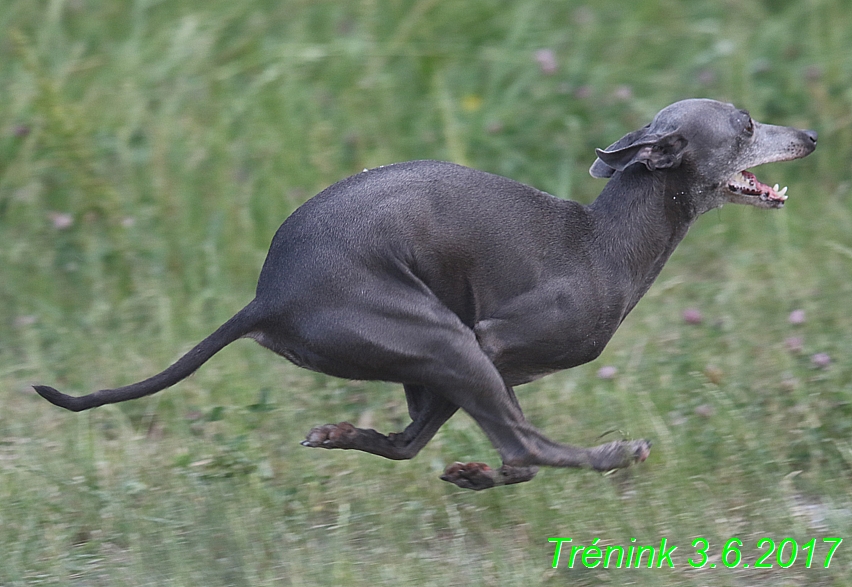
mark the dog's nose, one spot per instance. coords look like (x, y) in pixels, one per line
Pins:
(812, 135)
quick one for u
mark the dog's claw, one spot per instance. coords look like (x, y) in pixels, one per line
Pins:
(330, 436)
(642, 451)
(619, 454)
(474, 476)
(479, 476)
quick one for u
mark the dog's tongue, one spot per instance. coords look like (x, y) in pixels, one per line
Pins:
(754, 187)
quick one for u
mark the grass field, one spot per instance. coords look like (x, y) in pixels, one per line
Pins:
(148, 151)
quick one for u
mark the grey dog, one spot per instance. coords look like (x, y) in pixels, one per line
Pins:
(461, 284)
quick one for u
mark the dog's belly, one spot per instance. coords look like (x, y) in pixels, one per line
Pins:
(300, 355)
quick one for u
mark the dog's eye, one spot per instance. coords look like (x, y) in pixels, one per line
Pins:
(749, 128)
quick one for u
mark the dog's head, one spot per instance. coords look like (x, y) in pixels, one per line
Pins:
(720, 143)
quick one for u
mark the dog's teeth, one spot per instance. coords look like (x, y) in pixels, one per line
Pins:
(783, 192)
(776, 187)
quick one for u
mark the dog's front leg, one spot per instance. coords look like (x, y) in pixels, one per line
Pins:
(524, 448)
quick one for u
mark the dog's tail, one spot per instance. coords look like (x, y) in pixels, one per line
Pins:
(241, 324)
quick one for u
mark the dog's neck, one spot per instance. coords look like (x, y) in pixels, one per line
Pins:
(640, 217)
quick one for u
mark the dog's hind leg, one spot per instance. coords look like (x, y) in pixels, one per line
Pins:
(428, 413)
(425, 345)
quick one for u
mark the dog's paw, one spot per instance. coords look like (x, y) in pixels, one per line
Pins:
(641, 450)
(474, 476)
(619, 454)
(331, 436)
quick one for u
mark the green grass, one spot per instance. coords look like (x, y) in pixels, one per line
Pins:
(148, 152)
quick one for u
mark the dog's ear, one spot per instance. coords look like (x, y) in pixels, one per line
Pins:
(655, 151)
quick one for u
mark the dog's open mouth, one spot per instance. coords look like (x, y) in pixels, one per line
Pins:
(750, 190)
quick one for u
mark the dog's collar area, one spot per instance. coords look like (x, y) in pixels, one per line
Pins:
(744, 183)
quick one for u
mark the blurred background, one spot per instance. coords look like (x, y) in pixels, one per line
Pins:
(148, 151)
